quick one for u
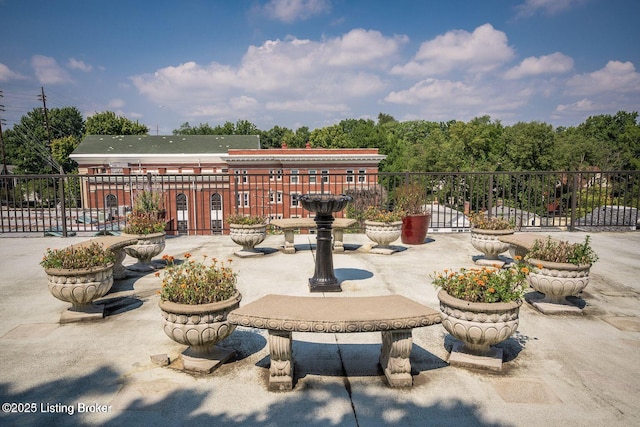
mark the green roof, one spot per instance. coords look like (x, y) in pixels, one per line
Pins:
(164, 144)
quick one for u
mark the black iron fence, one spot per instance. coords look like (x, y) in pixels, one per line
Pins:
(199, 204)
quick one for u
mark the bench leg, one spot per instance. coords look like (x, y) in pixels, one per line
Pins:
(119, 271)
(281, 369)
(289, 247)
(394, 357)
(338, 236)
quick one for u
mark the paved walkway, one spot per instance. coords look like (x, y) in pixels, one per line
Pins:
(559, 371)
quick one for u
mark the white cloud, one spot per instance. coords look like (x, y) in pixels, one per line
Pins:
(550, 7)
(48, 71)
(616, 76)
(115, 103)
(293, 10)
(6, 74)
(483, 50)
(556, 63)
(313, 73)
(307, 106)
(584, 105)
(76, 64)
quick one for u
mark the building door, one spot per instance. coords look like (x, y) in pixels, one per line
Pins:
(216, 213)
(182, 213)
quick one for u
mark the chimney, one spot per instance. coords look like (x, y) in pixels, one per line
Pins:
(284, 145)
(308, 145)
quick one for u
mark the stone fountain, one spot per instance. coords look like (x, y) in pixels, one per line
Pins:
(324, 206)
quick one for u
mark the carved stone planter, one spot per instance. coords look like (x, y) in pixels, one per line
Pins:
(383, 234)
(80, 287)
(147, 247)
(557, 281)
(200, 327)
(486, 241)
(478, 326)
(248, 236)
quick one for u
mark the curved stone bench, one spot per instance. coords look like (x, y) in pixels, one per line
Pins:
(117, 245)
(289, 225)
(522, 243)
(393, 315)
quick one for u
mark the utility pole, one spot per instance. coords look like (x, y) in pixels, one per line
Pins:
(63, 210)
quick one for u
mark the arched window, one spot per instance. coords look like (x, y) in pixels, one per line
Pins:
(111, 201)
(216, 202)
(181, 202)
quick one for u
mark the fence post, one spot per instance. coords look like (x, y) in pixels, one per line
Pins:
(63, 207)
(574, 201)
(490, 196)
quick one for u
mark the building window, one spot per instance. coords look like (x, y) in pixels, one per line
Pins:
(244, 178)
(216, 202)
(294, 177)
(362, 177)
(275, 174)
(111, 201)
(350, 176)
(275, 197)
(242, 199)
(294, 199)
(312, 176)
(325, 176)
(216, 226)
(181, 202)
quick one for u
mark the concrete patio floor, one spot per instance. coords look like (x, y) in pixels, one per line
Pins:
(558, 371)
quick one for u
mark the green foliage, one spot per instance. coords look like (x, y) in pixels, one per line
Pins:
(482, 221)
(94, 255)
(140, 222)
(148, 201)
(246, 220)
(108, 123)
(484, 285)
(410, 199)
(194, 282)
(375, 214)
(563, 251)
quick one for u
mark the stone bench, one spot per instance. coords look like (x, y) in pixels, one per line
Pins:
(289, 225)
(117, 245)
(393, 315)
(522, 243)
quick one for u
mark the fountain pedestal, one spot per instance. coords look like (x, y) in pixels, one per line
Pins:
(324, 205)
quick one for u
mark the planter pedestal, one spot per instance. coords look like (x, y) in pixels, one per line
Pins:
(487, 242)
(557, 282)
(200, 327)
(248, 236)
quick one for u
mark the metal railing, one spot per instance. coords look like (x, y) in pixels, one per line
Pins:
(199, 204)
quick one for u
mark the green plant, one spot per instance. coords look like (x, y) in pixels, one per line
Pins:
(487, 284)
(563, 251)
(143, 223)
(94, 255)
(481, 221)
(195, 282)
(411, 199)
(246, 220)
(375, 214)
(148, 201)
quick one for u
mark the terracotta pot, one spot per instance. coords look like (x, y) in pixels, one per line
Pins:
(414, 229)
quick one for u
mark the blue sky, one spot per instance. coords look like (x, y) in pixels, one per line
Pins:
(315, 62)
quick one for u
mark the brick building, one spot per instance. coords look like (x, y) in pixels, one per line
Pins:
(207, 177)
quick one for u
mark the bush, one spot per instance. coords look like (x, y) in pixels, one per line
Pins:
(94, 255)
(563, 251)
(193, 282)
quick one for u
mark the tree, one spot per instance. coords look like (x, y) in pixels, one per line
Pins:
(27, 143)
(108, 123)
